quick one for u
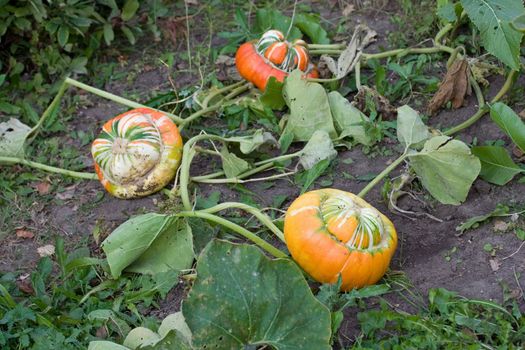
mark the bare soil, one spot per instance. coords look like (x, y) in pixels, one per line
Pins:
(424, 243)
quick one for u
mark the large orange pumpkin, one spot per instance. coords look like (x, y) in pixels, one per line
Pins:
(273, 56)
(331, 232)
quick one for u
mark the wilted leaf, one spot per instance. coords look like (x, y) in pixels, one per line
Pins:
(501, 226)
(453, 88)
(481, 70)
(146, 244)
(382, 104)
(410, 128)
(309, 108)
(493, 19)
(319, 147)
(496, 165)
(446, 169)
(509, 122)
(477, 220)
(348, 119)
(231, 164)
(242, 299)
(13, 134)
(346, 62)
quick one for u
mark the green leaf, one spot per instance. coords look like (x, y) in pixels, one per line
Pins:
(308, 177)
(496, 165)
(13, 134)
(109, 35)
(173, 340)
(348, 119)
(147, 243)
(410, 128)
(309, 108)
(129, 9)
(447, 13)
(320, 147)
(248, 144)
(266, 19)
(509, 122)
(63, 35)
(309, 25)
(273, 94)
(105, 345)
(139, 337)
(493, 19)
(233, 165)
(446, 168)
(520, 233)
(177, 322)
(242, 299)
(129, 35)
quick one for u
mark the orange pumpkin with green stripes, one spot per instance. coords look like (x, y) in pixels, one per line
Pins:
(332, 233)
(137, 153)
(273, 56)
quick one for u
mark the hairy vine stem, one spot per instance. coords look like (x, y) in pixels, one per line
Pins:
(48, 168)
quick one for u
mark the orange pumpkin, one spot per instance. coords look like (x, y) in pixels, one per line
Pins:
(273, 56)
(331, 232)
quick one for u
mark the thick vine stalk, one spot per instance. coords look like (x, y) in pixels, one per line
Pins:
(48, 168)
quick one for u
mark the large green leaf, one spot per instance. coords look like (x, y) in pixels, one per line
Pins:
(348, 119)
(496, 165)
(150, 243)
(243, 300)
(266, 19)
(509, 122)
(446, 168)
(105, 345)
(493, 18)
(309, 108)
(13, 134)
(410, 127)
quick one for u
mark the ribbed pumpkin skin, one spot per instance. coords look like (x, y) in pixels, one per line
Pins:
(257, 61)
(321, 239)
(137, 153)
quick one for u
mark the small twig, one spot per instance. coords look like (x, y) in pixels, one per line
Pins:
(516, 252)
(292, 20)
(188, 34)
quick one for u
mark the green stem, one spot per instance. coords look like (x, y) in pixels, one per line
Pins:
(51, 169)
(199, 113)
(358, 75)
(188, 152)
(237, 91)
(326, 52)
(49, 110)
(385, 54)
(325, 46)
(384, 173)
(118, 99)
(483, 108)
(238, 180)
(236, 228)
(447, 28)
(263, 218)
(323, 80)
(219, 92)
(206, 178)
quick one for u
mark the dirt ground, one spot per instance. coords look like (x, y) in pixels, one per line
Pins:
(430, 252)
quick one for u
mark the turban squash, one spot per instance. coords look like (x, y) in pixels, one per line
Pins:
(273, 56)
(137, 153)
(332, 233)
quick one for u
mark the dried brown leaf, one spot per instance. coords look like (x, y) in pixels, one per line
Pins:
(43, 187)
(501, 226)
(21, 233)
(348, 10)
(453, 88)
(25, 285)
(46, 250)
